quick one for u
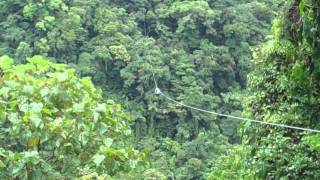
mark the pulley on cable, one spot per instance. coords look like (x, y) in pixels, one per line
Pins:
(157, 91)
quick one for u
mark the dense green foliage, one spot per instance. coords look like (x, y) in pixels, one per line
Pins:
(291, 85)
(284, 88)
(52, 123)
(199, 51)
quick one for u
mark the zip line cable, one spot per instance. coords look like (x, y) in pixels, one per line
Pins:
(154, 79)
(240, 118)
(158, 92)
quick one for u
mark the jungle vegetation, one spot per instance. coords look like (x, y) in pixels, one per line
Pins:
(77, 89)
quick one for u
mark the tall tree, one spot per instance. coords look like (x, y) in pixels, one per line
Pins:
(284, 88)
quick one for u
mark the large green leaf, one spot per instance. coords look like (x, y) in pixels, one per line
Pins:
(97, 159)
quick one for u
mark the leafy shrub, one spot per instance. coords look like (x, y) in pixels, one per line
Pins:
(53, 124)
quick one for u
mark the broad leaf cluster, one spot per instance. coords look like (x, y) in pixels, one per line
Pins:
(54, 124)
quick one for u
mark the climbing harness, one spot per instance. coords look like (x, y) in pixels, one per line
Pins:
(157, 91)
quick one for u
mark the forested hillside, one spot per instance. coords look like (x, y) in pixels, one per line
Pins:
(283, 88)
(205, 53)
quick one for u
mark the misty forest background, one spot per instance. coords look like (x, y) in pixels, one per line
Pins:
(77, 92)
